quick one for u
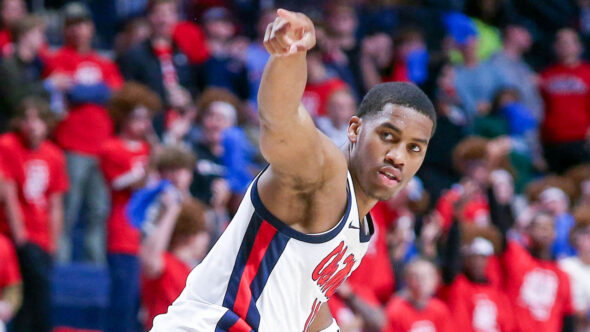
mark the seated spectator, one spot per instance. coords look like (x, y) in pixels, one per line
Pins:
(578, 269)
(158, 62)
(437, 170)
(177, 243)
(416, 308)
(341, 107)
(84, 128)
(515, 72)
(320, 85)
(538, 290)
(580, 176)
(224, 162)
(124, 160)
(24, 67)
(11, 288)
(11, 11)
(256, 54)
(566, 91)
(410, 57)
(226, 68)
(35, 180)
(375, 58)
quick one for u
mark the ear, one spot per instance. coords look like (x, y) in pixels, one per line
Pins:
(354, 127)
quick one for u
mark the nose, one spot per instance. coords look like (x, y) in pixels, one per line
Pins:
(396, 156)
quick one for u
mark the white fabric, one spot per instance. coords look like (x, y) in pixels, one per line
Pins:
(579, 274)
(287, 300)
(332, 328)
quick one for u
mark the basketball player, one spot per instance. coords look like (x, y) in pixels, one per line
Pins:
(303, 225)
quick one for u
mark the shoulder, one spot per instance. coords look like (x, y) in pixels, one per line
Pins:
(439, 307)
(53, 152)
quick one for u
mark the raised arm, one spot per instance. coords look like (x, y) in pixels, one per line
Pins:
(289, 140)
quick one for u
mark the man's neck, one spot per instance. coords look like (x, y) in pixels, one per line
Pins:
(363, 201)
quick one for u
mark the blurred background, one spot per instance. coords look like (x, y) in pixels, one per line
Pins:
(129, 135)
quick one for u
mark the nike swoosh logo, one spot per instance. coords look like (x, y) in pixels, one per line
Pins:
(353, 227)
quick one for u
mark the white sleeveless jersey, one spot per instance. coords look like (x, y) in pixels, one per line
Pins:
(262, 275)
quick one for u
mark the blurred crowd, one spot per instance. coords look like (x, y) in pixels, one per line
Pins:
(129, 135)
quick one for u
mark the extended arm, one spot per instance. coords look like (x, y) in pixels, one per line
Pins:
(14, 213)
(289, 141)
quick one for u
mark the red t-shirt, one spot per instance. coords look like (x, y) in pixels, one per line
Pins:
(158, 293)
(403, 317)
(86, 125)
(5, 43)
(476, 210)
(315, 96)
(9, 270)
(116, 159)
(191, 41)
(566, 92)
(538, 290)
(478, 307)
(38, 174)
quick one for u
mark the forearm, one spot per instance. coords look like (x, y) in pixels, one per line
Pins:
(57, 216)
(157, 242)
(281, 89)
(373, 317)
(14, 213)
(452, 260)
(13, 297)
(370, 73)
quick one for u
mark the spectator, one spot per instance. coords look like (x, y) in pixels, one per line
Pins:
(158, 62)
(320, 85)
(566, 90)
(340, 46)
(578, 269)
(134, 33)
(580, 176)
(84, 128)
(416, 308)
(35, 177)
(410, 57)
(175, 246)
(24, 68)
(515, 72)
(226, 68)
(341, 106)
(256, 54)
(475, 81)
(11, 11)
(478, 304)
(375, 59)
(537, 289)
(212, 183)
(124, 160)
(437, 171)
(11, 288)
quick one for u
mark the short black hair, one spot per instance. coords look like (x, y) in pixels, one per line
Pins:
(397, 93)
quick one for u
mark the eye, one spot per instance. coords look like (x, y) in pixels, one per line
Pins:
(386, 136)
(415, 148)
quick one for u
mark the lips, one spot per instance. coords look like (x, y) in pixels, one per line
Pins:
(390, 175)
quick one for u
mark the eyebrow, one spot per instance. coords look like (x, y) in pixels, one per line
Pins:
(391, 126)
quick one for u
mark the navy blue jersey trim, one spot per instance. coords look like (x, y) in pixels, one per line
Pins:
(367, 237)
(285, 229)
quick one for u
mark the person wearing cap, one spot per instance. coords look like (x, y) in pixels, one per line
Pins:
(556, 202)
(578, 268)
(478, 303)
(84, 127)
(538, 290)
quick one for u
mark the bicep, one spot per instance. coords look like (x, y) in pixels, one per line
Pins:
(297, 148)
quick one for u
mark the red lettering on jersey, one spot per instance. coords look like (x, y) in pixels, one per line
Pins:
(314, 311)
(325, 273)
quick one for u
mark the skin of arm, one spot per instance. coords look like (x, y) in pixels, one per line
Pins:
(13, 212)
(322, 320)
(157, 241)
(10, 301)
(56, 213)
